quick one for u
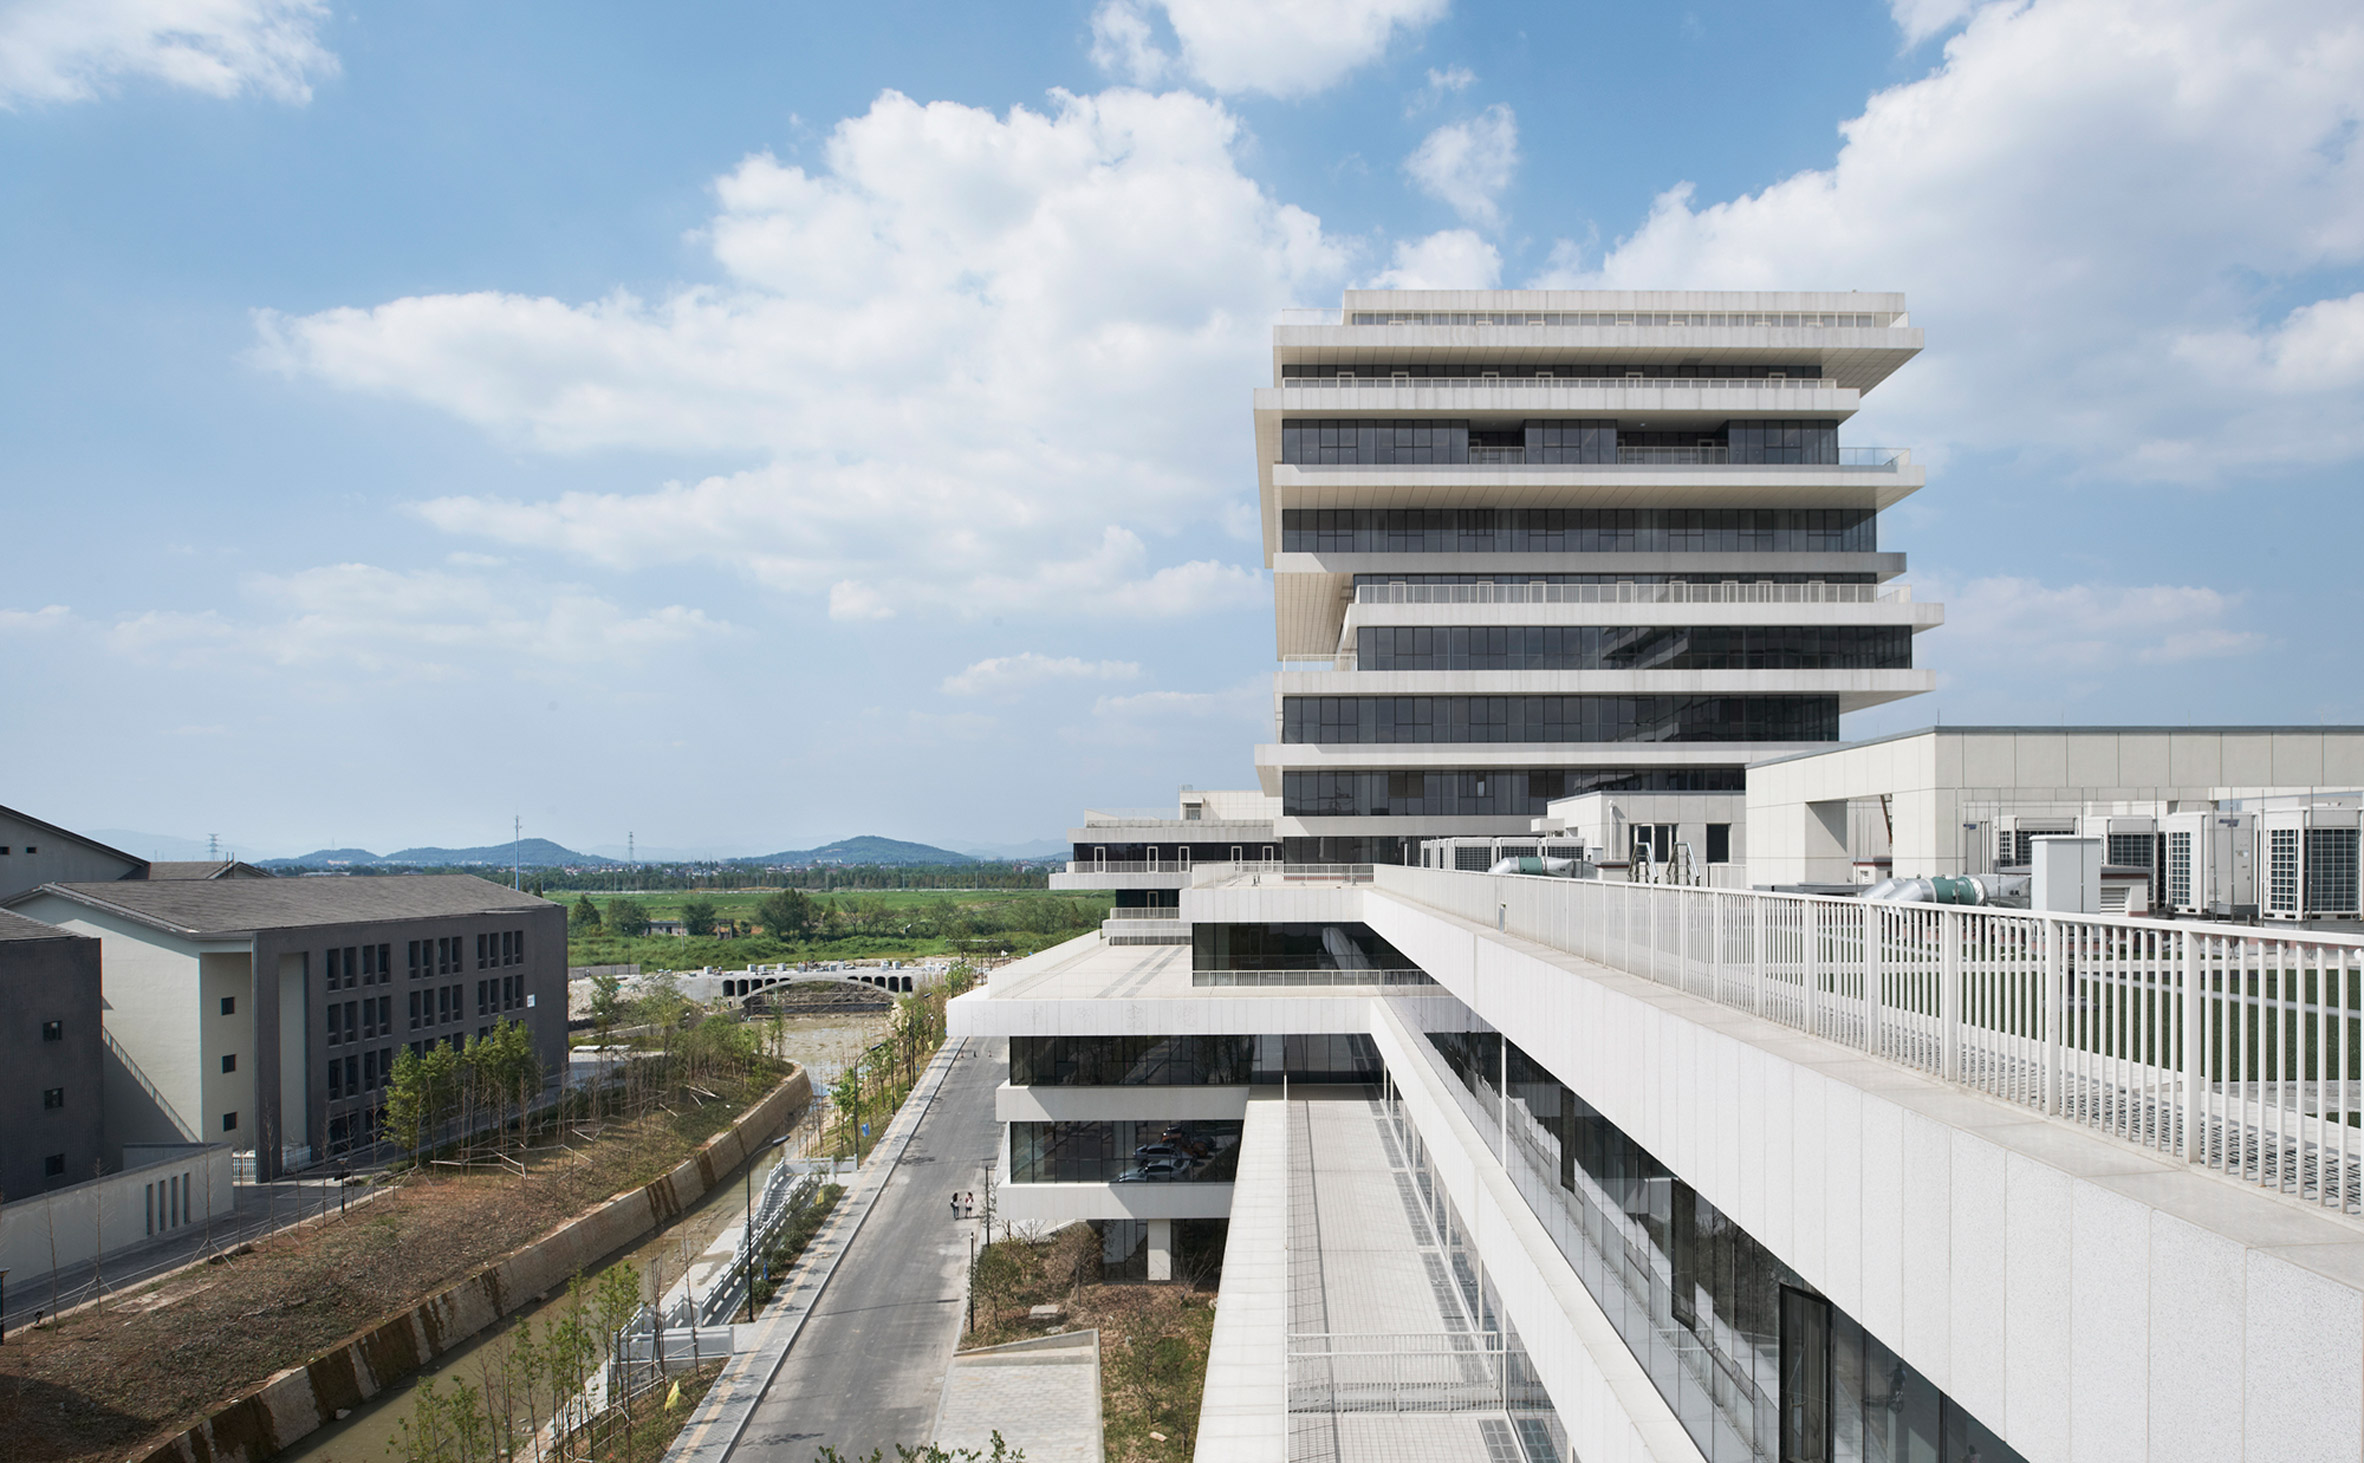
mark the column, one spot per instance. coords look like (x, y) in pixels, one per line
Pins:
(1161, 1249)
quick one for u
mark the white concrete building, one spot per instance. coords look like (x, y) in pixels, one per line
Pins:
(2271, 813)
(1145, 855)
(1528, 544)
(1530, 1168)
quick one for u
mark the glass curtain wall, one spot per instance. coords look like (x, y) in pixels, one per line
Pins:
(1199, 1151)
(1186, 1061)
(1492, 792)
(1633, 647)
(1418, 719)
(1579, 530)
(1754, 1361)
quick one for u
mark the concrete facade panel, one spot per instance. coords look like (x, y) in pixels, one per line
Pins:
(2041, 759)
(2037, 1308)
(1925, 1243)
(2196, 1374)
(1977, 1238)
(2248, 758)
(2297, 759)
(2296, 1406)
(1883, 1222)
(2109, 1327)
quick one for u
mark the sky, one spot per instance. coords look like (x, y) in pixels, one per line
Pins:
(741, 426)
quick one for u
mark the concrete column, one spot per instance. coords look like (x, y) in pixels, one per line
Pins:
(1161, 1249)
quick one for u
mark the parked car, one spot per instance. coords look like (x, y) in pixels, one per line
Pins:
(1155, 1170)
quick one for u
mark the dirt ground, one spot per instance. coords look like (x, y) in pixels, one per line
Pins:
(100, 1383)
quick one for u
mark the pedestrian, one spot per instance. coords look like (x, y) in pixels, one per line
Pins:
(956, 1203)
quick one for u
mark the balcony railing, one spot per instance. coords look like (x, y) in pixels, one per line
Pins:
(1726, 592)
(2231, 1047)
(1166, 913)
(1128, 866)
(1372, 977)
(1566, 383)
(1878, 459)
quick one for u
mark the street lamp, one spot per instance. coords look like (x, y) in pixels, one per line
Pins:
(747, 1233)
(3, 1303)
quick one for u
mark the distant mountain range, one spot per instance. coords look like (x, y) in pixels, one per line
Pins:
(531, 853)
(541, 853)
(1034, 852)
(866, 849)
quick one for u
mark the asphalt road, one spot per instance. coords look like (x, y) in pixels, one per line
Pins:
(869, 1365)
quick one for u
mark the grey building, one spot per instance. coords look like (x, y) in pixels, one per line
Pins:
(266, 1013)
(33, 853)
(50, 1048)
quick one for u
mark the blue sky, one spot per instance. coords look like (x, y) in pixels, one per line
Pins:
(751, 425)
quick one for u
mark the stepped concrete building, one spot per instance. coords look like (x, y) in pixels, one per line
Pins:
(1509, 1168)
(1527, 545)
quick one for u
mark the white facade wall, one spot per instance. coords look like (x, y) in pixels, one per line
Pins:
(2083, 1298)
(1939, 779)
(110, 1216)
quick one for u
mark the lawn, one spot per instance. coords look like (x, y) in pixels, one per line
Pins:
(849, 925)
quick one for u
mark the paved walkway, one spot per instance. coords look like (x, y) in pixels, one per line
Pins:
(854, 1356)
(1041, 1395)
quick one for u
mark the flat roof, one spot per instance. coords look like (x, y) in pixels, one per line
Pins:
(229, 907)
(2070, 731)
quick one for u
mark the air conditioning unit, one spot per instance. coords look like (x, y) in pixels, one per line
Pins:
(2212, 864)
(2013, 830)
(2308, 863)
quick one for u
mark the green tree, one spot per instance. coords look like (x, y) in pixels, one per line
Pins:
(627, 917)
(584, 917)
(787, 915)
(697, 918)
(607, 1004)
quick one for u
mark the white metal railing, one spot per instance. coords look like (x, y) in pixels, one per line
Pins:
(1730, 591)
(1164, 912)
(1882, 459)
(1128, 866)
(1280, 872)
(2236, 1048)
(1441, 1371)
(1639, 319)
(1571, 383)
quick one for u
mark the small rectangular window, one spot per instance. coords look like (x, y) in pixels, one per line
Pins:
(336, 1077)
(229, 1061)
(52, 1098)
(414, 1010)
(229, 1122)
(54, 1166)
(229, 1005)
(53, 1031)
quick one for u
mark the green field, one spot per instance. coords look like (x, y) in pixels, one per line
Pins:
(848, 925)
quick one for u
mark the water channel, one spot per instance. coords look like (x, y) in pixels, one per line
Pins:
(825, 1044)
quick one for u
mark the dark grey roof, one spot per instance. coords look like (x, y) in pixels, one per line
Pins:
(111, 852)
(17, 927)
(226, 907)
(206, 869)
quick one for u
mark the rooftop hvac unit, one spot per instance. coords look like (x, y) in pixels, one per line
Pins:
(2309, 863)
(2212, 864)
(2013, 830)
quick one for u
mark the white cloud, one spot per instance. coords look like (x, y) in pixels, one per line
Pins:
(986, 362)
(2082, 202)
(1451, 81)
(1289, 50)
(35, 622)
(1125, 46)
(426, 625)
(2016, 625)
(74, 50)
(1921, 19)
(1469, 164)
(1455, 259)
(1005, 674)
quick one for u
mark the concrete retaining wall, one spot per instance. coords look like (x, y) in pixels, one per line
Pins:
(296, 1401)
